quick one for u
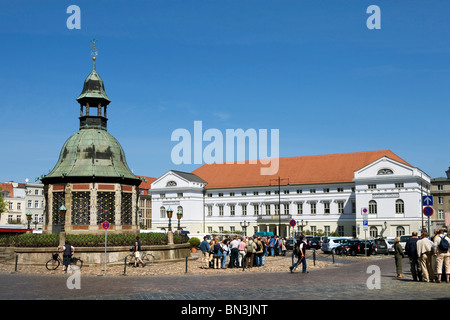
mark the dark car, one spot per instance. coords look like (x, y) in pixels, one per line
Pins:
(382, 246)
(290, 243)
(354, 247)
(316, 242)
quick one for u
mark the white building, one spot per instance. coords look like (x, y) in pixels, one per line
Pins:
(325, 192)
(23, 198)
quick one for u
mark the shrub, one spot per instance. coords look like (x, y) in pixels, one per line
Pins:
(194, 242)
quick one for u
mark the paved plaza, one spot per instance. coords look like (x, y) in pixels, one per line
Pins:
(348, 281)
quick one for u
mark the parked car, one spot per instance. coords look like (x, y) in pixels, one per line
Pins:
(382, 246)
(354, 247)
(330, 243)
(290, 243)
(403, 240)
(308, 241)
(316, 242)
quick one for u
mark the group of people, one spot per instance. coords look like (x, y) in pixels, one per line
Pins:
(429, 257)
(242, 252)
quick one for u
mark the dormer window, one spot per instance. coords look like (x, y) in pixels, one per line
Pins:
(385, 171)
(171, 184)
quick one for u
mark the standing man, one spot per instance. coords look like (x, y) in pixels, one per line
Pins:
(204, 247)
(137, 253)
(411, 251)
(441, 252)
(301, 254)
(425, 253)
(234, 256)
(251, 250)
(272, 245)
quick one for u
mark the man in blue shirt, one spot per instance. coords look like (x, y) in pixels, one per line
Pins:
(204, 247)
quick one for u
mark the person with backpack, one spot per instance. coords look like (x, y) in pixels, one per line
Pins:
(68, 251)
(259, 252)
(441, 252)
(300, 252)
(411, 252)
(425, 254)
(251, 250)
(217, 254)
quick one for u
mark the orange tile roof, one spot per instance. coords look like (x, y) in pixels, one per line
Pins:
(146, 183)
(7, 187)
(330, 168)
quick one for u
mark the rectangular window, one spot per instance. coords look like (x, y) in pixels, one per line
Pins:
(340, 189)
(220, 229)
(441, 215)
(162, 195)
(313, 208)
(232, 229)
(18, 206)
(440, 200)
(209, 211)
(312, 190)
(210, 230)
(256, 209)
(30, 203)
(372, 186)
(286, 191)
(244, 193)
(180, 195)
(299, 191)
(231, 194)
(326, 190)
(399, 185)
(221, 210)
(340, 207)
(255, 193)
(36, 203)
(244, 209)
(286, 208)
(232, 210)
(300, 208)
(268, 209)
(327, 230)
(440, 187)
(10, 206)
(220, 194)
(277, 209)
(326, 208)
(353, 207)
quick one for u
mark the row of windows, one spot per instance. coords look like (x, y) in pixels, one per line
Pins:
(399, 206)
(276, 192)
(37, 204)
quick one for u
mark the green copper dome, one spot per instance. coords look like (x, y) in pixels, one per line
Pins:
(92, 154)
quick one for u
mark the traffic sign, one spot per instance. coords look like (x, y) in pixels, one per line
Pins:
(365, 222)
(428, 211)
(427, 200)
(292, 223)
(364, 210)
(105, 225)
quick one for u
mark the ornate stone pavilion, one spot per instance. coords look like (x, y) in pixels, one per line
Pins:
(91, 178)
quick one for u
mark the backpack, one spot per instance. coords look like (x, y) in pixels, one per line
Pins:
(217, 248)
(258, 247)
(443, 245)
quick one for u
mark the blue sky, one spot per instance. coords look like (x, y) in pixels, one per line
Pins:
(311, 69)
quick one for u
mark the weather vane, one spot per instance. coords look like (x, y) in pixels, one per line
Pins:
(94, 49)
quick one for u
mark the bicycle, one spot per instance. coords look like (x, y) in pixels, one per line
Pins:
(147, 258)
(56, 261)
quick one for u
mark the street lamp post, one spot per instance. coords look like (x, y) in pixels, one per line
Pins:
(179, 216)
(169, 215)
(244, 225)
(62, 212)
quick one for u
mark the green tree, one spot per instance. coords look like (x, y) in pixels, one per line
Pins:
(3, 204)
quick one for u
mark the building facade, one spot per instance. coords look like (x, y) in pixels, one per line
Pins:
(321, 194)
(440, 190)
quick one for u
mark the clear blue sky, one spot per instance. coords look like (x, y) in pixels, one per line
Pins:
(311, 69)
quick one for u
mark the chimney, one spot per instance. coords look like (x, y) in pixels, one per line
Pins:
(448, 173)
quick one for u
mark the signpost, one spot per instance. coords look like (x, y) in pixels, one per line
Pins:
(427, 211)
(292, 223)
(365, 214)
(105, 226)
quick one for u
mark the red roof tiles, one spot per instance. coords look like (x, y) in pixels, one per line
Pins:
(330, 168)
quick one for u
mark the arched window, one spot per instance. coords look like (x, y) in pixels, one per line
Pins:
(373, 232)
(171, 184)
(385, 171)
(162, 212)
(399, 206)
(372, 207)
(400, 231)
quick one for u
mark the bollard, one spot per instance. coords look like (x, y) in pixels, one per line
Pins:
(186, 265)
(125, 267)
(17, 260)
(332, 254)
(314, 257)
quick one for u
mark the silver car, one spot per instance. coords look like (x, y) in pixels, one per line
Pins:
(330, 243)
